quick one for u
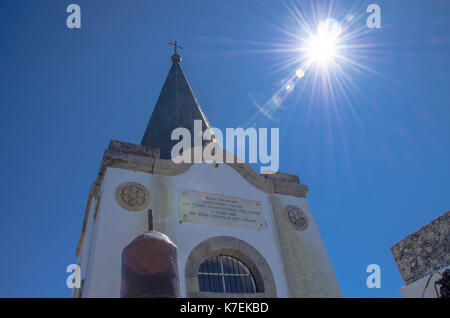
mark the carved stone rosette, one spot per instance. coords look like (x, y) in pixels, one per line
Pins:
(132, 196)
(297, 217)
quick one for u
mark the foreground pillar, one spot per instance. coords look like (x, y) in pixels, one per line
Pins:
(149, 267)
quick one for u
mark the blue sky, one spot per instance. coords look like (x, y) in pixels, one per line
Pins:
(375, 156)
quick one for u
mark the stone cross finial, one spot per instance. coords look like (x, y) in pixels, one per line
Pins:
(175, 46)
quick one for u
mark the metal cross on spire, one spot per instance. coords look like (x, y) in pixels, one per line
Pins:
(175, 46)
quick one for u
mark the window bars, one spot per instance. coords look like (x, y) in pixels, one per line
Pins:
(225, 274)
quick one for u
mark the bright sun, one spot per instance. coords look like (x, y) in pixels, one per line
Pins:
(318, 52)
(322, 48)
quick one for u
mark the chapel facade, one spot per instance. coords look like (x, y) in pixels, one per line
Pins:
(155, 228)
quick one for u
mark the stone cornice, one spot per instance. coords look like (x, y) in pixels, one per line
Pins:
(146, 159)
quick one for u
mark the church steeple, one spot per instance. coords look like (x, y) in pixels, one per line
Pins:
(144, 211)
(176, 107)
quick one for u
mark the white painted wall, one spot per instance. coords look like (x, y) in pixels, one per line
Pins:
(226, 181)
(116, 227)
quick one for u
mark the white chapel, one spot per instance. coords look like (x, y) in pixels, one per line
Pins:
(155, 228)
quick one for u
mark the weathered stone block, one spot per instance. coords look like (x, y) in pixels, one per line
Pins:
(425, 250)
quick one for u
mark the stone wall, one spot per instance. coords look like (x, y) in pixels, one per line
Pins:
(425, 250)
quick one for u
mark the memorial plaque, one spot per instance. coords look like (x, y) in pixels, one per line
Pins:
(216, 209)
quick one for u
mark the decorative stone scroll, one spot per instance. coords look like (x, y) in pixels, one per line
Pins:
(132, 196)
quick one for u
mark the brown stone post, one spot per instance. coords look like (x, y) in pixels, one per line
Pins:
(149, 267)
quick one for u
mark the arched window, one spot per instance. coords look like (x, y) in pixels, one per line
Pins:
(225, 274)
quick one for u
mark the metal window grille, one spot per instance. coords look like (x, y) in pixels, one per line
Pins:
(225, 274)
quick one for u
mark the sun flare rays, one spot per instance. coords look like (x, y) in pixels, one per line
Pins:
(320, 47)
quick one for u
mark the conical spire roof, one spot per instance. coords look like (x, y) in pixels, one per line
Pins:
(176, 107)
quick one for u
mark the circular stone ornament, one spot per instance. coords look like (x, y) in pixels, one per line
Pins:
(132, 196)
(297, 217)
